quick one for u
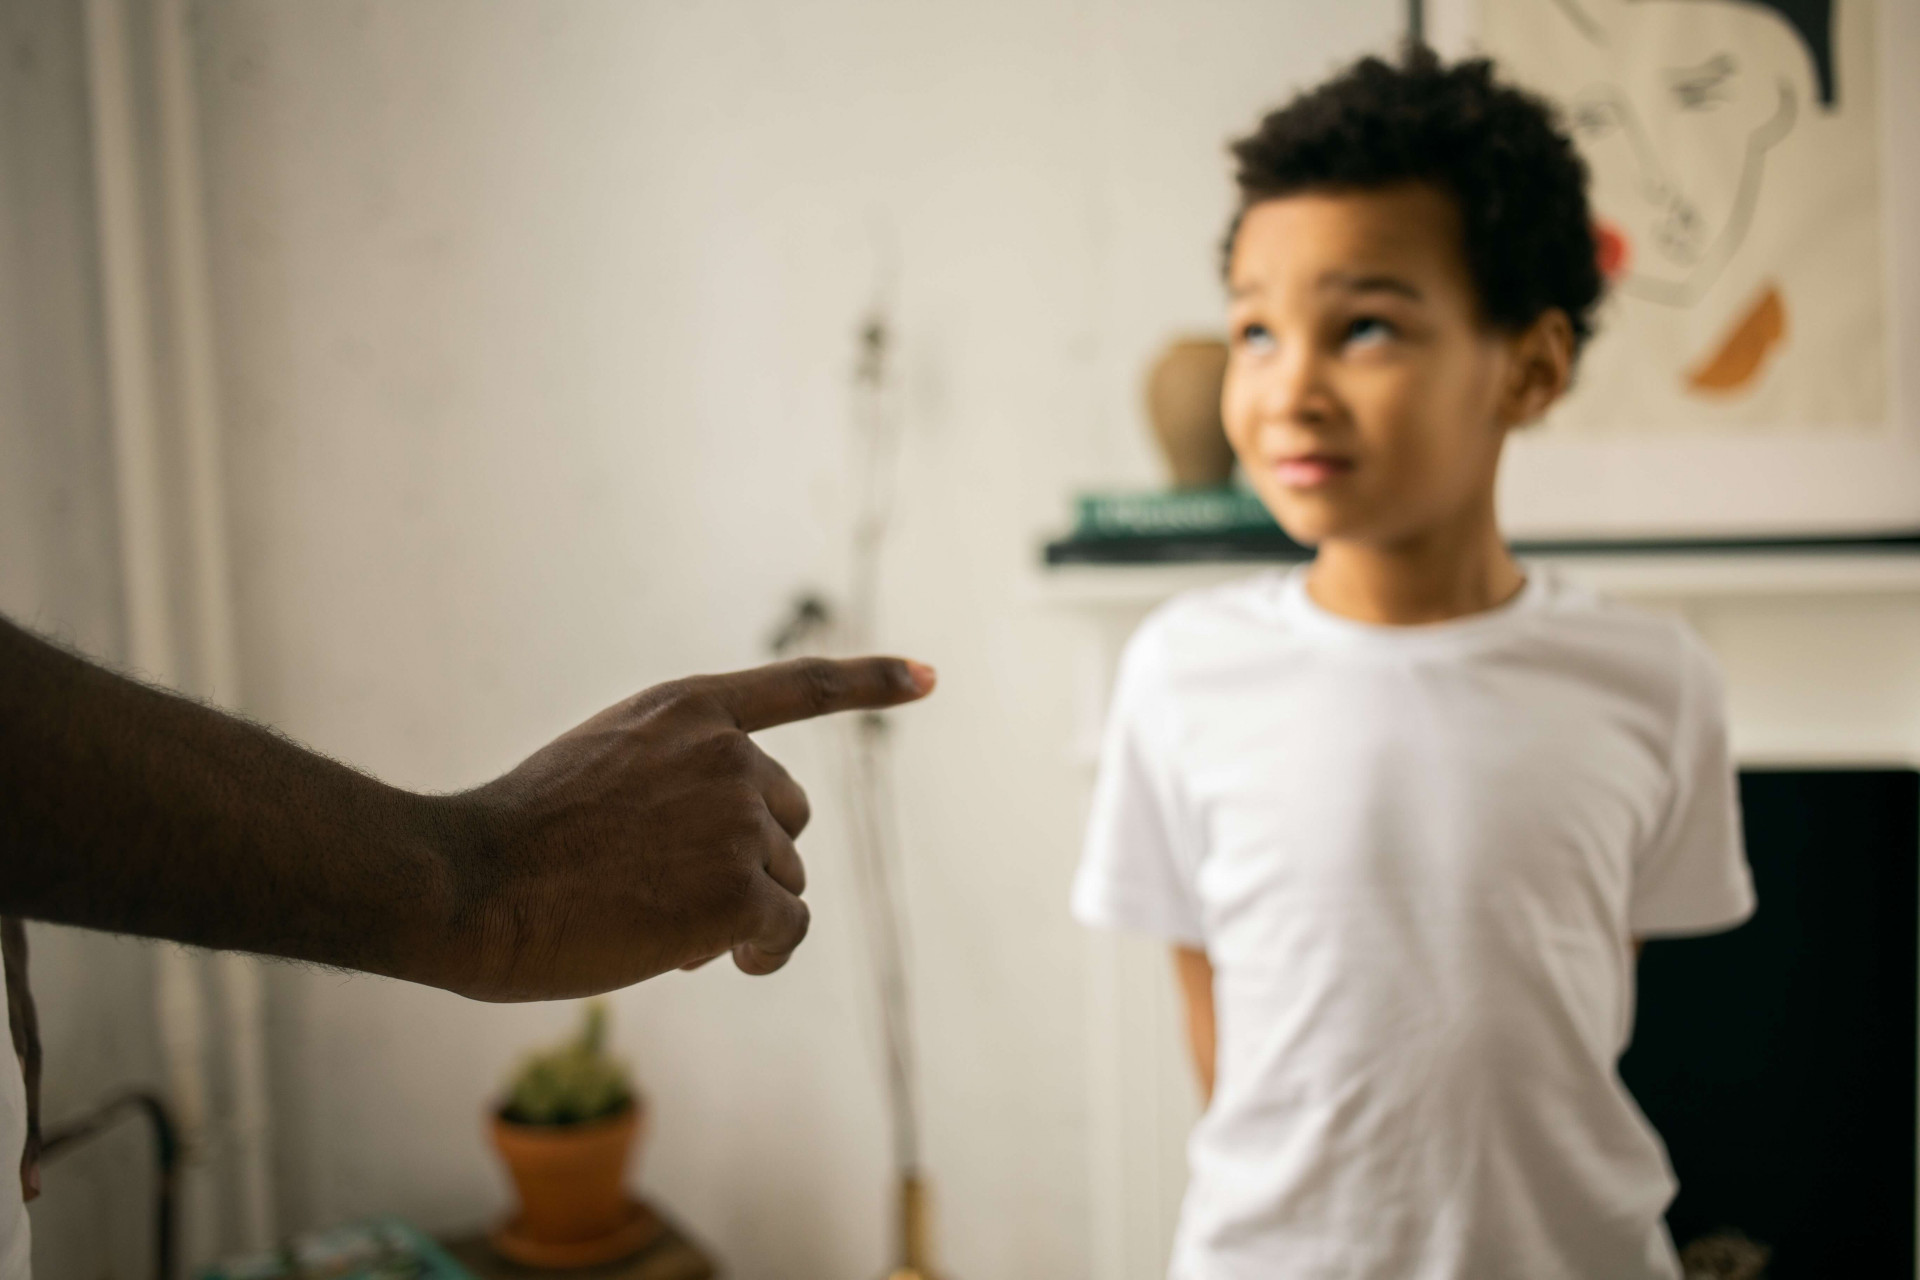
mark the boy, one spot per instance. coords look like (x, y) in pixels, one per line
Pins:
(1405, 813)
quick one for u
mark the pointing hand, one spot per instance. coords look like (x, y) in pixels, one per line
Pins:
(654, 836)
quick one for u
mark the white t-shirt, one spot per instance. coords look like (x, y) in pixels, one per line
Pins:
(1417, 858)
(16, 1241)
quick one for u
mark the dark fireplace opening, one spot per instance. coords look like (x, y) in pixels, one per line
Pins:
(1778, 1060)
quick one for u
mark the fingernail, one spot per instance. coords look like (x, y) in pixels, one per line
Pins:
(924, 676)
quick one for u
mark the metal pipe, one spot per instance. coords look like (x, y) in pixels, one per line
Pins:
(166, 1159)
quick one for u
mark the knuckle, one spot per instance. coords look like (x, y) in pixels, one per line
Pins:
(823, 683)
(745, 843)
(664, 696)
(737, 893)
(731, 753)
(671, 707)
(751, 826)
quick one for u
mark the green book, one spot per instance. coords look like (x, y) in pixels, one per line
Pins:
(1170, 512)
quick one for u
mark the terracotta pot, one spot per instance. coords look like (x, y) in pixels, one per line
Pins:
(571, 1178)
(1183, 403)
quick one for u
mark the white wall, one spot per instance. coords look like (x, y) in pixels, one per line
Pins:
(58, 559)
(536, 323)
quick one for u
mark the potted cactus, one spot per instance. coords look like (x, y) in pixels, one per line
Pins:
(566, 1129)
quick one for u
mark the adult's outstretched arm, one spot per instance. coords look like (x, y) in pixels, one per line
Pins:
(654, 836)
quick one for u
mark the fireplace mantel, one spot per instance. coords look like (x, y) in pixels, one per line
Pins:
(1112, 598)
(1637, 575)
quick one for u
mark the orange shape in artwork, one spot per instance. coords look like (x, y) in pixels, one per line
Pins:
(1611, 249)
(1744, 351)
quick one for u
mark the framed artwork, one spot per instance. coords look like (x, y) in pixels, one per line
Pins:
(1759, 228)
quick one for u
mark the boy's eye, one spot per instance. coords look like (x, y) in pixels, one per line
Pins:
(1367, 330)
(1255, 337)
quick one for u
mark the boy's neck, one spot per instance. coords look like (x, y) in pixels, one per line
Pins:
(1437, 576)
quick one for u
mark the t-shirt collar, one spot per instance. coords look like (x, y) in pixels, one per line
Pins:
(1299, 609)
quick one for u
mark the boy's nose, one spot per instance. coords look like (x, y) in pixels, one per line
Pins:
(1295, 389)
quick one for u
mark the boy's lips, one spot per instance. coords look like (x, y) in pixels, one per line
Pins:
(1311, 470)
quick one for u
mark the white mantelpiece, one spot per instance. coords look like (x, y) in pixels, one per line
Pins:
(1635, 576)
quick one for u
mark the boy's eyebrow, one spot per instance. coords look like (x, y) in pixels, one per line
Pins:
(1348, 282)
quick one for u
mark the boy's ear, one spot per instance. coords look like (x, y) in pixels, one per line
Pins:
(1542, 368)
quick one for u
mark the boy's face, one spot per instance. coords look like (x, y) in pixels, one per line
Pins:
(1365, 397)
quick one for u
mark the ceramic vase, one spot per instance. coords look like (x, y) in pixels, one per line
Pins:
(1183, 403)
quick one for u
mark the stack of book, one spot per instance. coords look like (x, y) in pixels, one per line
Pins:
(1187, 525)
(1175, 525)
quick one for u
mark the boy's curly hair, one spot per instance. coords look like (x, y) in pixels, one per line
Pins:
(1498, 151)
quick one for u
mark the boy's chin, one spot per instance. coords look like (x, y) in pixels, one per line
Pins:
(1310, 522)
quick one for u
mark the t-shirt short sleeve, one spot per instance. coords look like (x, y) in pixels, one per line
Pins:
(1137, 866)
(1693, 877)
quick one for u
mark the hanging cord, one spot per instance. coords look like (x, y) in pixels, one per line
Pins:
(869, 746)
(813, 625)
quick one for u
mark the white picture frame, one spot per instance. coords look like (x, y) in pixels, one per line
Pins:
(1762, 483)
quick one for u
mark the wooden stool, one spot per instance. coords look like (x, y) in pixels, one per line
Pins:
(672, 1257)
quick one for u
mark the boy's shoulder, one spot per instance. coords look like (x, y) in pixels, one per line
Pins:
(1196, 624)
(1596, 628)
(1250, 600)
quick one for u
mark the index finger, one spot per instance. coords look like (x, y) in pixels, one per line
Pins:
(807, 687)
